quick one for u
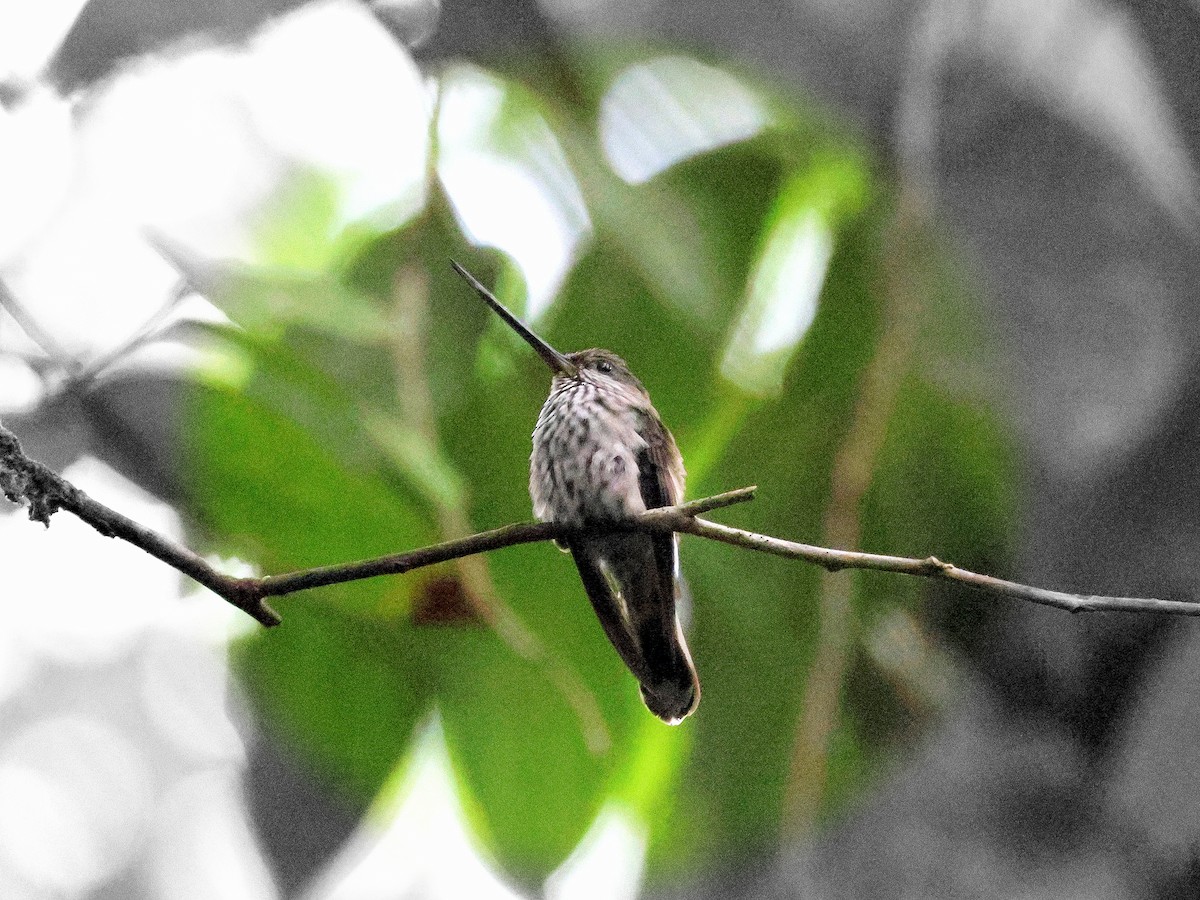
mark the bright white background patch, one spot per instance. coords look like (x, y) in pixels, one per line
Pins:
(666, 110)
(781, 302)
(521, 199)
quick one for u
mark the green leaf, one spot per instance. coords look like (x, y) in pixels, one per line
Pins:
(268, 491)
(297, 228)
(334, 678)
(531, 784)
(946, 480)
(267, 298)
(344, 689)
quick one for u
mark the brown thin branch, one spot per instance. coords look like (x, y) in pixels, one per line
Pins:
(26, 481)
(23, 480)
(931, 567)
(506, 536)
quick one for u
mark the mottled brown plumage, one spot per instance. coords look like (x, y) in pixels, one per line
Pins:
(602, 454)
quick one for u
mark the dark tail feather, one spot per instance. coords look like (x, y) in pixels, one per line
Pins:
(649, 641)
(672, 689)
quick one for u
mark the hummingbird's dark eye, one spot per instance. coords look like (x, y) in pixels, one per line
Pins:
(604, 366)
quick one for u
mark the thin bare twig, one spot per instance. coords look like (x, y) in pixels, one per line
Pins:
(147, 332)
(33, 329)
(23, 480)
(931, 567)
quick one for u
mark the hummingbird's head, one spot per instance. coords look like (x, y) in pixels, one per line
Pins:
(600, 366)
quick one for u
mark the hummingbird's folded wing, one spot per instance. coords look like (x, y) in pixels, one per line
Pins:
(660, 479)
(674, 689)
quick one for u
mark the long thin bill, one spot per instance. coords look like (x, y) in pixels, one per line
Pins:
(558, 363)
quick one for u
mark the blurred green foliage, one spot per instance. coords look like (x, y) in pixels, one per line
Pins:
(369, 399)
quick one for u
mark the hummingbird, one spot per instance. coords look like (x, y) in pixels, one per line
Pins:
(601, 454)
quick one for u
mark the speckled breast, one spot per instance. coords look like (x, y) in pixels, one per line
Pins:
(585, 451)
